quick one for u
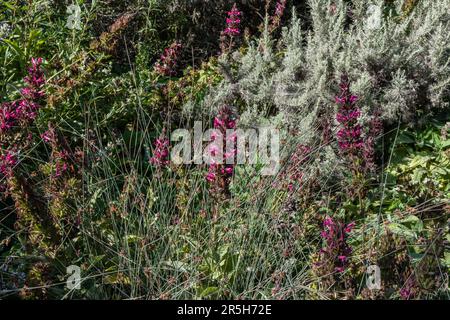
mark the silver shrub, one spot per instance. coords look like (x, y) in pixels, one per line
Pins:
(399, 66)
(396, 64)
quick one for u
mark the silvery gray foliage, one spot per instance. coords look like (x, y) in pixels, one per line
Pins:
(5, 30)
(397, 64)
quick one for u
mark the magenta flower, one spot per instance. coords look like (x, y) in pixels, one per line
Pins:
(232, 30)
(161, 152)
(228, 170)
(231, 125)
(18, 114)
(339, 100)
(328, 222)
(24, 111)
(166, 66)
(219, 174)
(231, 154)
(35, 76)
(336, 250)
(353, 99)
(349, 136)
(211, 176)
(214, 135)
(8, 116)
(348, 228)
(217, 123)
(7, 162)
(233, 22)
(213, 150)
(61, 167)
(339, 269)
(48, 136)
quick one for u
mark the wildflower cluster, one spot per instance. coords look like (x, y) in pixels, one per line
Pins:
(350, 135)
(19, 114)
(233, 22)
(220, 172)
(232, 29)
(161, 152)
(167, 64)
(24, 111)
(7, 162)
(336, 251)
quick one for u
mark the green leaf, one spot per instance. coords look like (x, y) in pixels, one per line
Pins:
(416, 257)
(413, 223)
(117, 278)
(405, 138)
(401, 230)
(223, 251)
(445, 144)
(209, 291)
(446, 260)
(131, 238)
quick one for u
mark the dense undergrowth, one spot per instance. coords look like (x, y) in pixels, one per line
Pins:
(359, 91)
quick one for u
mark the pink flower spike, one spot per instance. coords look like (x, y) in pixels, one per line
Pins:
(214, 135)
(233, 22)
(340, 100)
(230, 154)
(46, 136)
(217, 123)
(161, 152)
(229, 170)
(211, 176)
(213, 150)
(328, 222)
(231, 124)
(349, 227)
(232, 137)
(353, 99)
